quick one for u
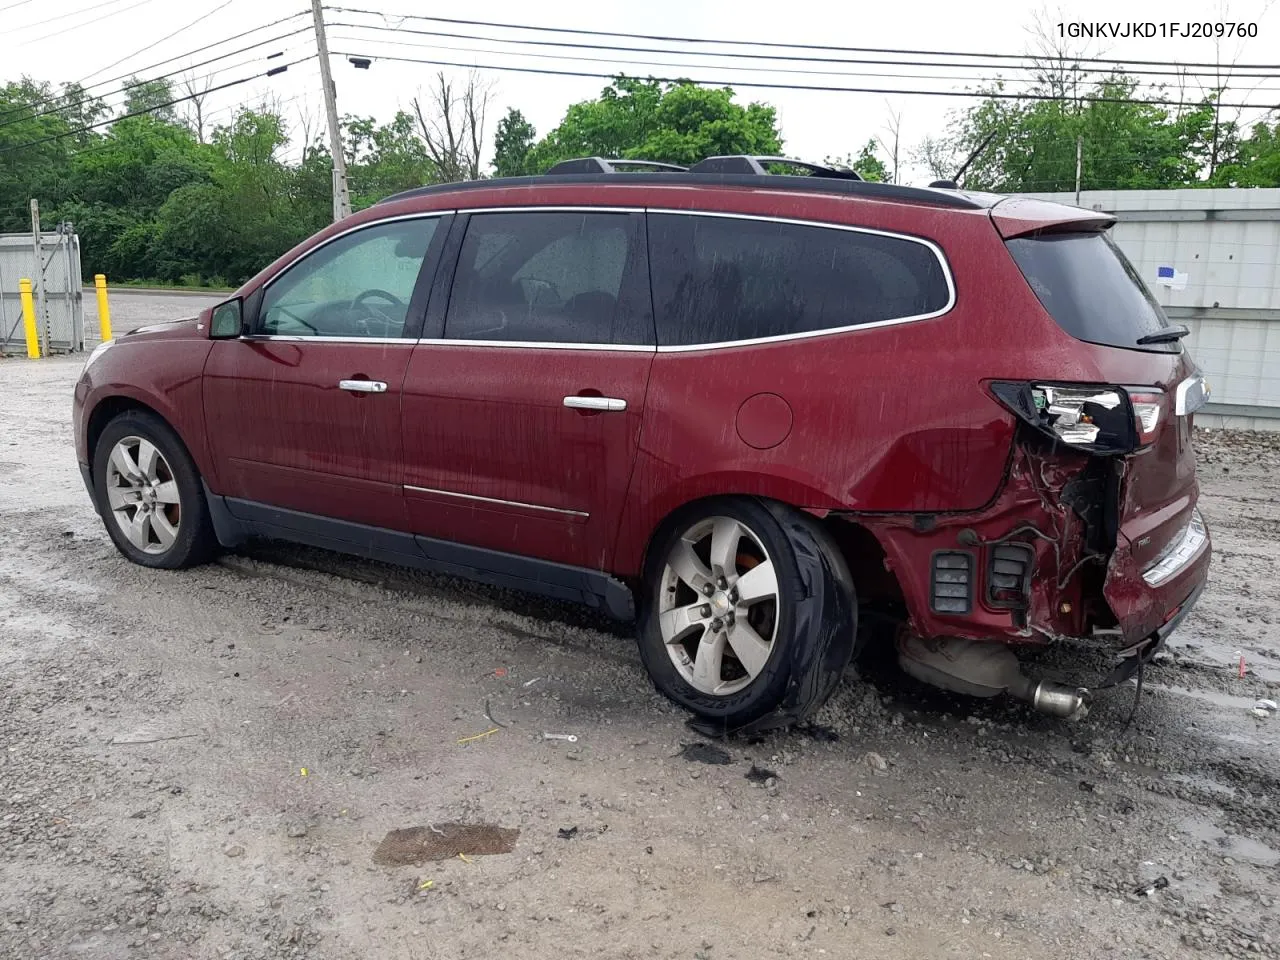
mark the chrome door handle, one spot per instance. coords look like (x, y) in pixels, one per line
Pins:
(608, 404)
(363, 386)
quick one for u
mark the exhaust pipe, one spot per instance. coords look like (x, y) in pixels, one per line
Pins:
(986, 670)
(1055, 699)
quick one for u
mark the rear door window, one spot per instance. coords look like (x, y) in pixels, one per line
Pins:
(722, 279)
(551, 277)
(1091, 289)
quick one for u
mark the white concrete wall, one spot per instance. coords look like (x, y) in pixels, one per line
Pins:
(1227, 242)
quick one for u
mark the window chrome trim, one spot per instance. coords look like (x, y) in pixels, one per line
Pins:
(556, 208)
(830, 331)
(937, 252)
(292, 338)
(540, 345)
(505, 503)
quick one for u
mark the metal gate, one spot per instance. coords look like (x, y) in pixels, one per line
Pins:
(60, 317)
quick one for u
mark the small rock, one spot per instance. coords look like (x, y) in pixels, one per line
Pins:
(233, 850)
(877, 763)
(297, 829)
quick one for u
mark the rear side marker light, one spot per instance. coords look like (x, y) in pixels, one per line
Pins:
(951, 582)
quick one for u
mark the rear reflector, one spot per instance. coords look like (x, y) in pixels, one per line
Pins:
(1009, 575)
(951, 583)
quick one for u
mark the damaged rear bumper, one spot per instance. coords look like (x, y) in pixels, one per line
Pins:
(1047, 559)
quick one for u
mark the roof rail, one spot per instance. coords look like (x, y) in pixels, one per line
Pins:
(756, 166)
(601, 165)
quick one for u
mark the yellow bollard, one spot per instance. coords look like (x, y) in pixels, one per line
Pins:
(104, 309)
(29, 319)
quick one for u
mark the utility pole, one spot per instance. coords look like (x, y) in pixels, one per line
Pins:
(341, 197)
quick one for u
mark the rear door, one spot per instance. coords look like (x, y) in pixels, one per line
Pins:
(304, 413)
(522, 411)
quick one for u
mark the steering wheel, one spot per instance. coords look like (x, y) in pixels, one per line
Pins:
(375, 314)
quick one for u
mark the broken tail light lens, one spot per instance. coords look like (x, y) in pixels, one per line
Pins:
(1093, 419)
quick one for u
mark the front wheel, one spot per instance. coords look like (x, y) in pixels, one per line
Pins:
(733, 622)
(149, 493)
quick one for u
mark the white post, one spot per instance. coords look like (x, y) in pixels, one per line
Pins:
(1079, 156)
(341, 199)
(42, 312)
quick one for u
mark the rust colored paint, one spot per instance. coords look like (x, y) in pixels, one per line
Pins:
(764, 420)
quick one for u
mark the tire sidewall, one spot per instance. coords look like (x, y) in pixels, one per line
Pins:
(767, 689)
(191, 543)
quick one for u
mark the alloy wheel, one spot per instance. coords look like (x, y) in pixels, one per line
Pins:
(142, 495)
(718, 605)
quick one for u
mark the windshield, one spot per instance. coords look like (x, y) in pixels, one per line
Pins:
(1091, 289)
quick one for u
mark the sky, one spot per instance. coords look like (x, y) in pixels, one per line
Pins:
(75, 40)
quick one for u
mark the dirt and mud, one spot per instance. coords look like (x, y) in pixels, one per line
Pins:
(204, 764)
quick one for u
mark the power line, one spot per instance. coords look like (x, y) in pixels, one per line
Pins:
(152, 109)
(14, 6)
(63, 16)
(192, 53)
(790, 46)
(169, 36)
(971, 94)
(86, 23)
(697, 66)
(88, 97)
(1275, 71)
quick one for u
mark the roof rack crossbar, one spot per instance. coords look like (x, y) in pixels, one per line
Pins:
(756, 166)
(610, 165)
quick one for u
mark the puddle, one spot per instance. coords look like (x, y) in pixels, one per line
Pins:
(1230, 845)
(443, 841)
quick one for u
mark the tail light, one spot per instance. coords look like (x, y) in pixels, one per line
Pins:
(1105, 420)
(1148, 410)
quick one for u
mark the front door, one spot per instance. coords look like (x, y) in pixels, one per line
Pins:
(304, 413)
(521, 422)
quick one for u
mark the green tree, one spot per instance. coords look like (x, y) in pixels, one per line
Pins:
(1256, 162)
(511, 145)
(154, 96)
(1030, 146)
(867, 164)
(651, 120)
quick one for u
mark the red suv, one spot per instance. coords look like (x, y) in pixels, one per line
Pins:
(743, 408)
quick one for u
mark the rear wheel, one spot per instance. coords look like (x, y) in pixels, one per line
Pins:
(717, 615)
(149, 493)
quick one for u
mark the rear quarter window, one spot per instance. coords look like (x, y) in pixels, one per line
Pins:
(723, 279)
(1091, 289)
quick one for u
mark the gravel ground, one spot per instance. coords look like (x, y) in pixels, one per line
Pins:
(202, 764)
(133, 307)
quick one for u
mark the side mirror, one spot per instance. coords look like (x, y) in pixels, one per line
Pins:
(227, 321)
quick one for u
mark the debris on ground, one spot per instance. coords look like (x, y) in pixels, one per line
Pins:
(1158, 884)
(479, 736)
(444, 841)
(759, 774)
(567, 833)
(704, 753)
